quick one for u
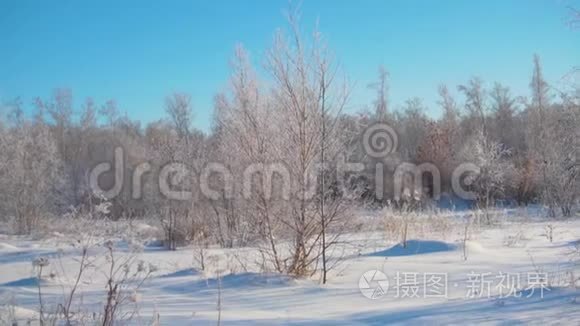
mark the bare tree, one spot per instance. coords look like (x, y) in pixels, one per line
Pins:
(475, 106)
(503, 110)
(125, 275)
(449, 106)
(334, 206)
(296, 89)
(382, 89)
(178, 108)
(313, 99)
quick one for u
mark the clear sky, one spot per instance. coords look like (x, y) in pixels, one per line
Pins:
(139, 51)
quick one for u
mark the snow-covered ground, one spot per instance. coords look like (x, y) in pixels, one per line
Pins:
(429, 281)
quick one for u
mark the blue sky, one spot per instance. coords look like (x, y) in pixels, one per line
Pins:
(138, 52)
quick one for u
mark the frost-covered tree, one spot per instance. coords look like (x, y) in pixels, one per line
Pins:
(561, 167)
(176, 153)
(491, 158)
(30, 171)
(552, 138)
(288, 137)
(245, 129)
(308, 97)
(413, 125)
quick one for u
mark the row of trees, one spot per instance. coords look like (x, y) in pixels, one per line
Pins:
(289, 126)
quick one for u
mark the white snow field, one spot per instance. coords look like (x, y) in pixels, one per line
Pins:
(513, 274)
